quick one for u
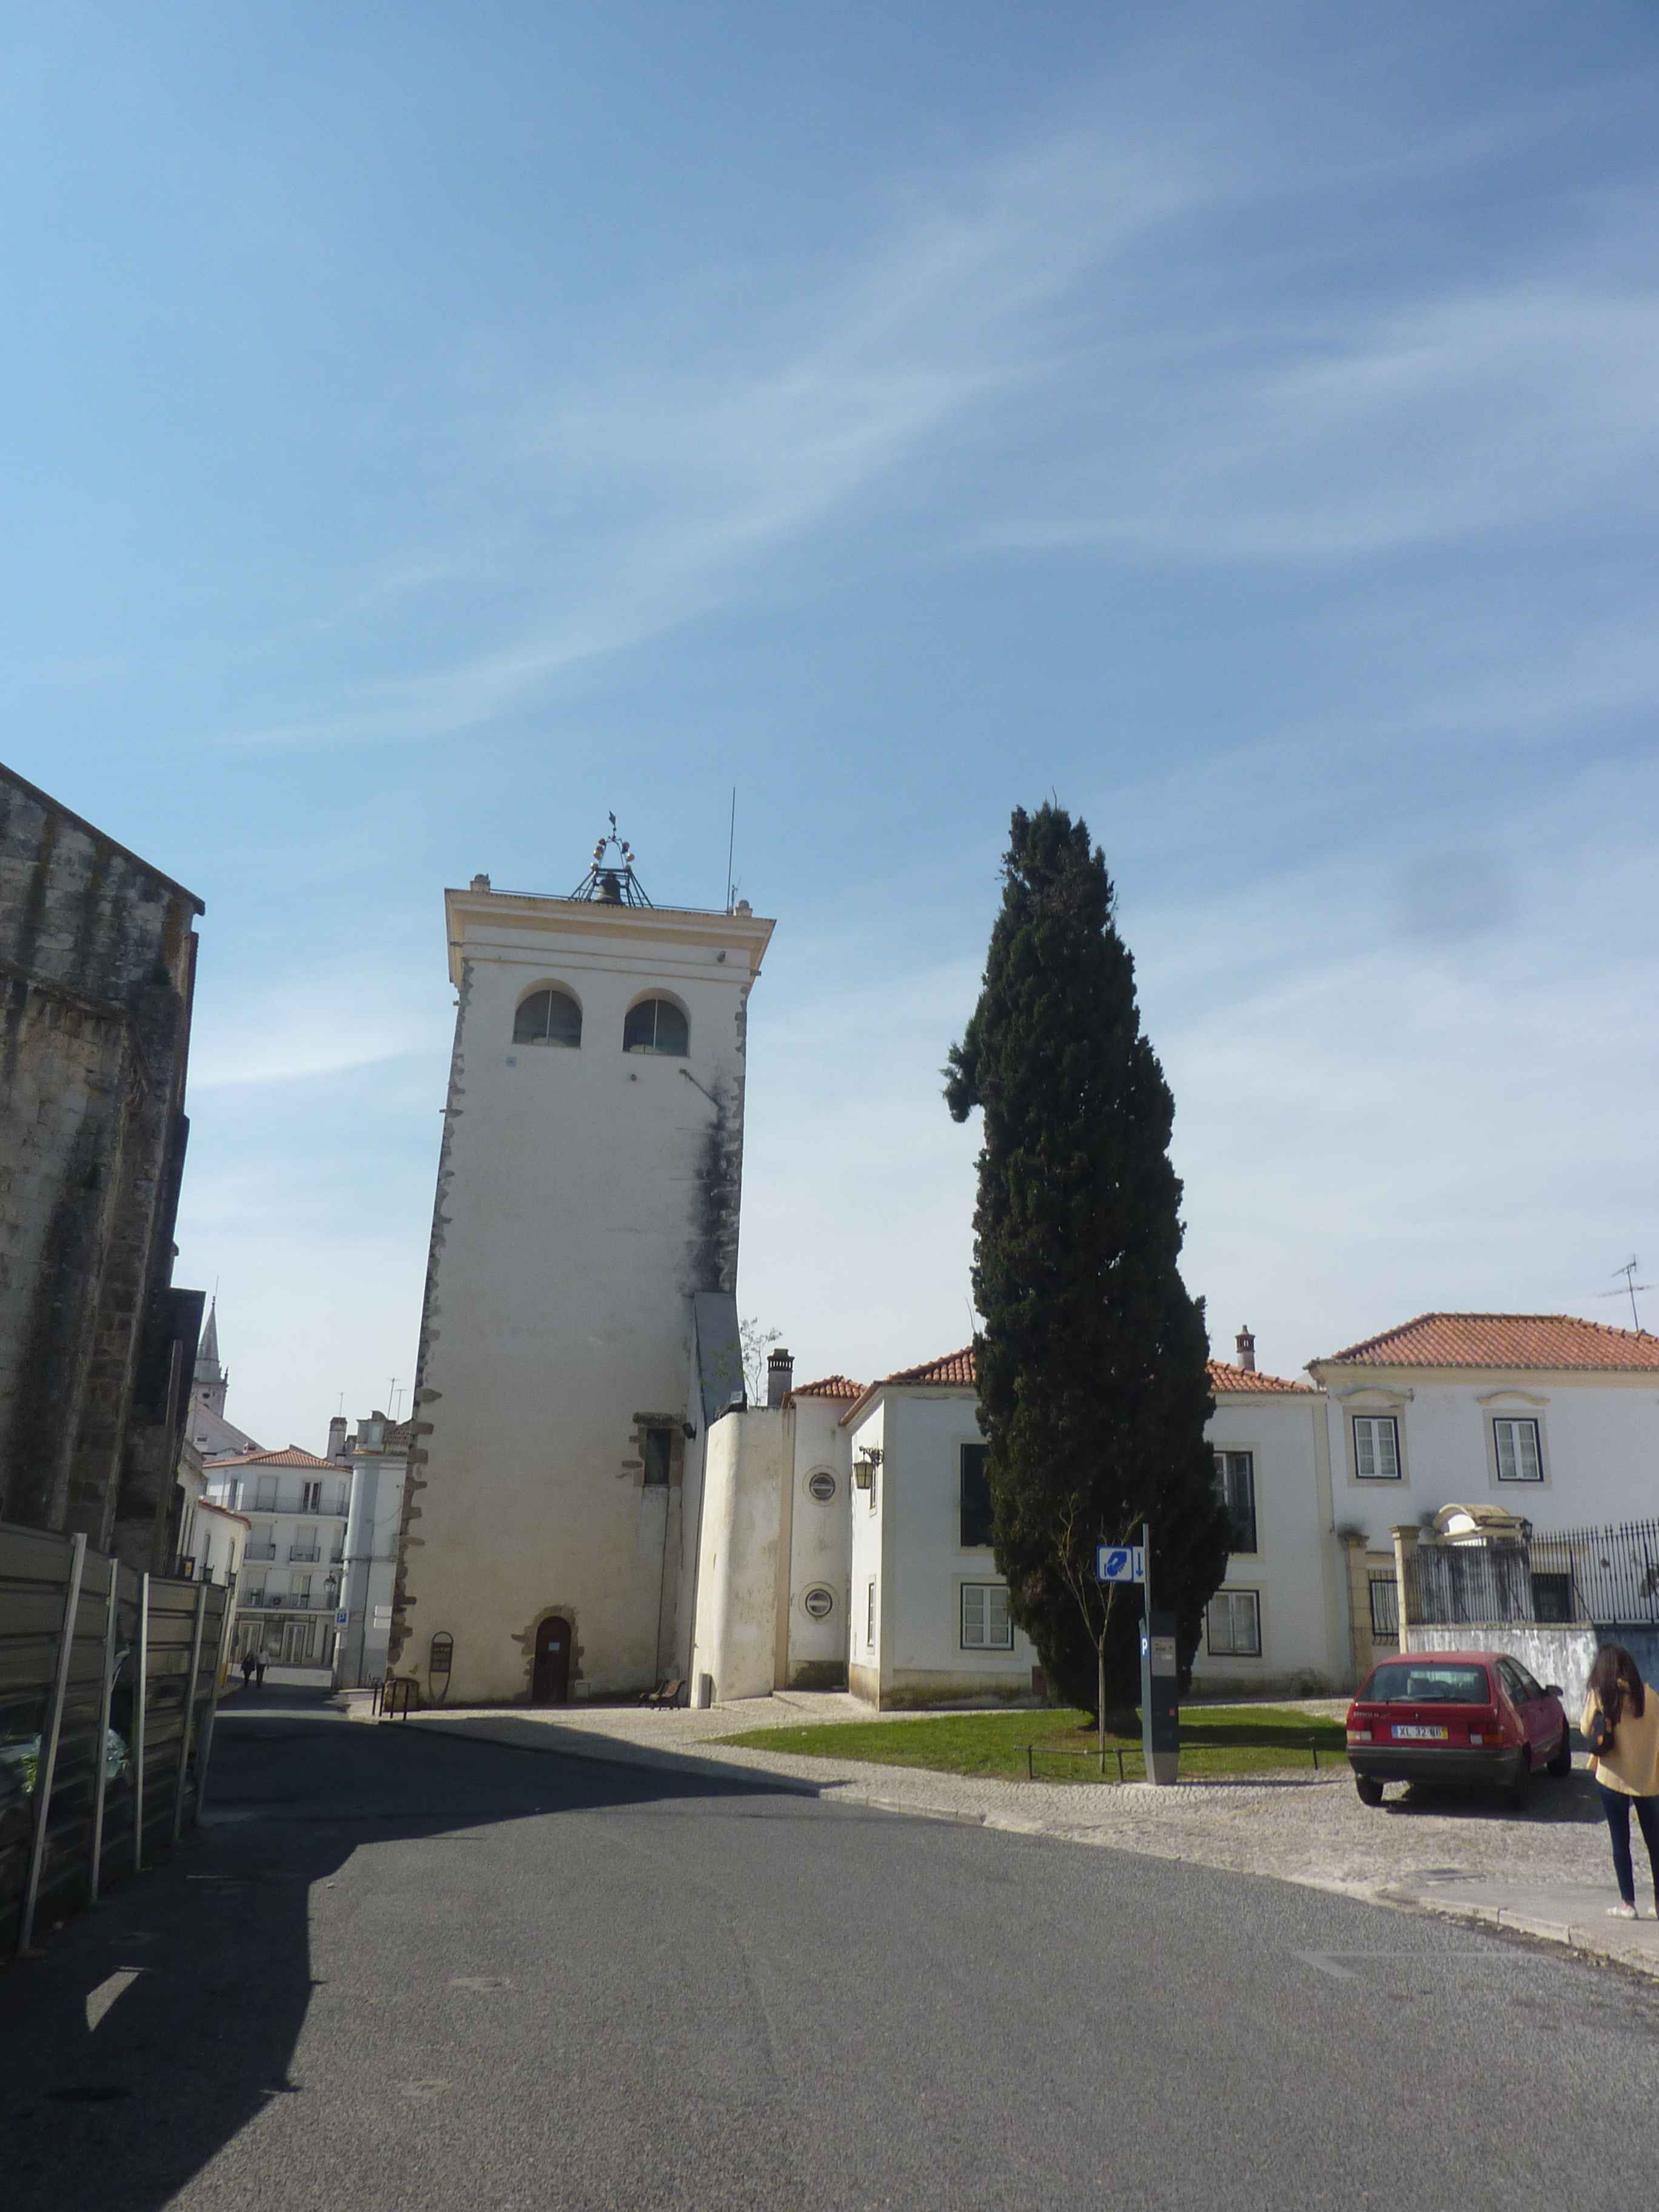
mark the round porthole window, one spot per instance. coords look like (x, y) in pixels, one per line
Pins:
(822, 1485)
(819, 1602)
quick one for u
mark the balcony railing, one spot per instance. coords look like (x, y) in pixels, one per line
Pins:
(307, 1554)
(258, 1551)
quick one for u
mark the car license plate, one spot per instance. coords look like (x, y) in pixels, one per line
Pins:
(1410, 1732)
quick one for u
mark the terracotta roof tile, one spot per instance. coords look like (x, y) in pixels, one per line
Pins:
(828, 1386)
(1466, 1340)
(956, 1368)
(1224, 1377)
(290, 1455)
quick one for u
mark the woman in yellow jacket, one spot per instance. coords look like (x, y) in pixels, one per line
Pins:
(1626, 1768)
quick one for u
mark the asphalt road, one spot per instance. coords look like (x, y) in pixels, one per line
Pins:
(402, 1972)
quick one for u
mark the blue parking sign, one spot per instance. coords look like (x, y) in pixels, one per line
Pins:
(1121, 1562)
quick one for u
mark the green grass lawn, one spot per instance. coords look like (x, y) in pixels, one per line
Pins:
(1214, 1740)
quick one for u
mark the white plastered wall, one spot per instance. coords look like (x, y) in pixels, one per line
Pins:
(1297, 1570)
(917, 1534)
(866, 1544)
(1599, 1437)
(820, 1545)
(745, 1472)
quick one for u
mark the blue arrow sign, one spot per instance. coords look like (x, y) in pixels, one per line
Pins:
(1121, 1562)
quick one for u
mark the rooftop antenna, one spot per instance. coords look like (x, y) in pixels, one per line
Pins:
(1629, 1290)
(731, 847)
(340, 1409)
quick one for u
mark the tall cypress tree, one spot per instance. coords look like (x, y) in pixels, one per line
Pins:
(1093, 1387)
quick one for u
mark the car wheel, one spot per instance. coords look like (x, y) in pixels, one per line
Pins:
(1370, 1789)
(1519, 1792)
(1561, 1762)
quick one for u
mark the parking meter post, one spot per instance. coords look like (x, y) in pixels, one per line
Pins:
(1160, 1688)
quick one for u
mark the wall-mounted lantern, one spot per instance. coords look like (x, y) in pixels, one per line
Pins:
(865, 1466)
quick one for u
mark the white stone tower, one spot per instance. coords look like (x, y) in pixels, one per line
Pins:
(585, 1230)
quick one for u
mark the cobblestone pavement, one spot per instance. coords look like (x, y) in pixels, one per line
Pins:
(1546, 1872)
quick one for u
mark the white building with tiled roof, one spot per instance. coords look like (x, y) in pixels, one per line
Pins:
(930, 1619)
(1554, 1418)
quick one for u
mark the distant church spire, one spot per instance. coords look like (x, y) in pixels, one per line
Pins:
(210, 1381)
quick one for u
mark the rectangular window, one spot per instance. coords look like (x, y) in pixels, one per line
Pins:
(975, 1517)
(232, 1493)
(310, 1498)
(1385, 1607)
(266, 1497)
(1519, 1459)
(1376, 1448)
(298, 1589)
(1232, 1628)
(658, 1443)
(1235, 1474)
(986, 1624)
(870, 1618)
(342, 1502)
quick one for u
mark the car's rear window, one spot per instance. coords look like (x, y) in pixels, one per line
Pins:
(1407, 1682)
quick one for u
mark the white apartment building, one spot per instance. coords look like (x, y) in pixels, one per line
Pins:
(293, 1564)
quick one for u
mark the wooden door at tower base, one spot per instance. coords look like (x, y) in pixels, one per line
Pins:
(550, 1680)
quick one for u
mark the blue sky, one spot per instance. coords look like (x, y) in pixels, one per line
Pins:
(427, 428)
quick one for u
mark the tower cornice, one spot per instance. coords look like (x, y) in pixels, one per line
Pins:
(505, 923)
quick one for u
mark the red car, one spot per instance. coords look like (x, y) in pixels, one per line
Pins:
(1467, 1717)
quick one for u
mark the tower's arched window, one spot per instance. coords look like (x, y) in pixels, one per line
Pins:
(547, 1018)
(656, 1025)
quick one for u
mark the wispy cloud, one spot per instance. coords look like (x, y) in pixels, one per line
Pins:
(1368, 433)
(672, 478)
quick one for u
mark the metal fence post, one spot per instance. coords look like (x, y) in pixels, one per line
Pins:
(190, 1713)
(206, 1752)
(140, 1717)
(100, 1786)
(46, 1763)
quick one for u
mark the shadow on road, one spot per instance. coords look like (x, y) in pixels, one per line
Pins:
(157, 2027)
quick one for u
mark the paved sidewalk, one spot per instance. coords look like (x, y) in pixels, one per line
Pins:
(1546, 1872)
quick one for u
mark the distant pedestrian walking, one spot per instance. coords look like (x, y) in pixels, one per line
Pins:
(249, 1663)
(1621, 1724)
(259, 1670)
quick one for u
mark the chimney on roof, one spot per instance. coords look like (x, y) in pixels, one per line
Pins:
(1246, 1344)
(337, 1436)
(779, 1375)
(480, 883)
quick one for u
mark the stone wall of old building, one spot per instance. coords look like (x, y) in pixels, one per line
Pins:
(97, 967)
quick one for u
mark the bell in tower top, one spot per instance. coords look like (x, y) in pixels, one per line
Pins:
(611, 881)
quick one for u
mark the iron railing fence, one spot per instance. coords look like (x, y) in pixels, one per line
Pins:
(1607, 1576)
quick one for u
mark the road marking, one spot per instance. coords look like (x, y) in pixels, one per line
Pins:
(1325, 1961)
(99, 2000)
(480, 1982)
